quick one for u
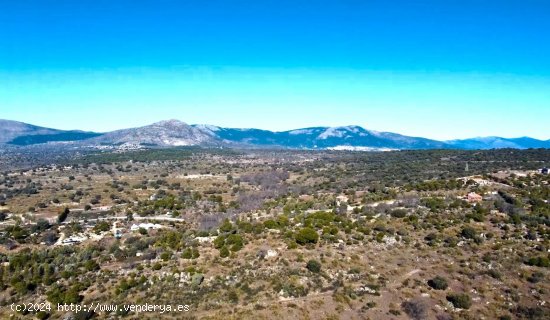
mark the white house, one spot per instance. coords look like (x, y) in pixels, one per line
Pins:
(146, 226)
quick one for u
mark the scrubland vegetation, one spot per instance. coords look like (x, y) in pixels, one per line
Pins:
(281, 234)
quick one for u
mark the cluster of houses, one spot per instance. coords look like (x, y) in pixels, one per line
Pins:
(146, 226)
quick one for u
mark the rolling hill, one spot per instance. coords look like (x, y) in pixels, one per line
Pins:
(171, 133)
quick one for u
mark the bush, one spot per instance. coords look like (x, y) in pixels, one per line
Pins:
(190, 253)
(438, 283)
(468, 233)
(219, 242)
(91, 265)
(270, 224)
(64, 295)
(399, 213)
(165, 255)
(495, 274)
(525, 312)
(226, 226)
(460, 300)
(416, 309)
(306, 235)
(292, 245)
(233, 296)
(102, 226)
(224, 252)
(156, 266)
(314, 266)
(536, 277)
(63, 215)
(235, 241)
(539, 262)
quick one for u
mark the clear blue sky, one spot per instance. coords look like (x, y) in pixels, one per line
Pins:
(439, 69)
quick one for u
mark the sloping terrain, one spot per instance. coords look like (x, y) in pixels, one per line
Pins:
(163, 133)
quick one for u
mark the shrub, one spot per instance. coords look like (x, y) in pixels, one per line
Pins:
(64, 295)
(102, 226)
(91, 265)
(416, 309)
(468, 233)
(224, 252)
(460, 300)
(539, 262)
(233, 296)
(314, 266)
(226, 226)
(63, 215)
(235, 241)
(219, 242)
(438, 283)
(271, 224)
(306, 235)
(292, 245)
(395, 312)
(157, 266)
(399, 213)
(525, 312)
(495, 274)
(187, 254)
(536, 277)
(165, 255)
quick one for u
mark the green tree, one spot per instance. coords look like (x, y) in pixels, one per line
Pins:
(306, 235)
(63, 215)
(235, 241)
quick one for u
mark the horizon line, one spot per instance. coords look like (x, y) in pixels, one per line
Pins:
(279, 131)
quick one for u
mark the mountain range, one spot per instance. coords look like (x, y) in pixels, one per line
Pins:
(177, 133)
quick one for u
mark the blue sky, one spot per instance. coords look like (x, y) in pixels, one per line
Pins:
(439, 69)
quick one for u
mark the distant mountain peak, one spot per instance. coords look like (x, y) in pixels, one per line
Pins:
(343, 132)
(169, 123)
